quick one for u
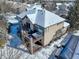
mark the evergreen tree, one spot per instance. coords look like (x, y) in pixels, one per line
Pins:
(73, 17)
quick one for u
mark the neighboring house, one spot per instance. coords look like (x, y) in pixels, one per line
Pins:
(23, 1)
(45, 22)
(63, 8)
(17, 0)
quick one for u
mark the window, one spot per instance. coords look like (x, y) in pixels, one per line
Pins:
(27, 26)
(39, 29)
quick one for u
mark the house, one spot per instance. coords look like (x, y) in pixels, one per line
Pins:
(48, 24)
(23, 1)
(63, 8)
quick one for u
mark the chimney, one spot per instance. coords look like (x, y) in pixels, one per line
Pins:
(41, 11)
(40, 17)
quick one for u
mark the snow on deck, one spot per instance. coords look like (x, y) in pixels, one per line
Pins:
(44, 53)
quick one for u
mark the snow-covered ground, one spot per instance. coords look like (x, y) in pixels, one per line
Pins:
(76, 33)
(12, 53)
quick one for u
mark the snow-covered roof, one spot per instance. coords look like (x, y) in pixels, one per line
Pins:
(66, 24)
(30, 9)
(43, 17)
(22, 15)
(13, 21)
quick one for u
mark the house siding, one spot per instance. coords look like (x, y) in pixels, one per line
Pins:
(51, 31)
(27, 20)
